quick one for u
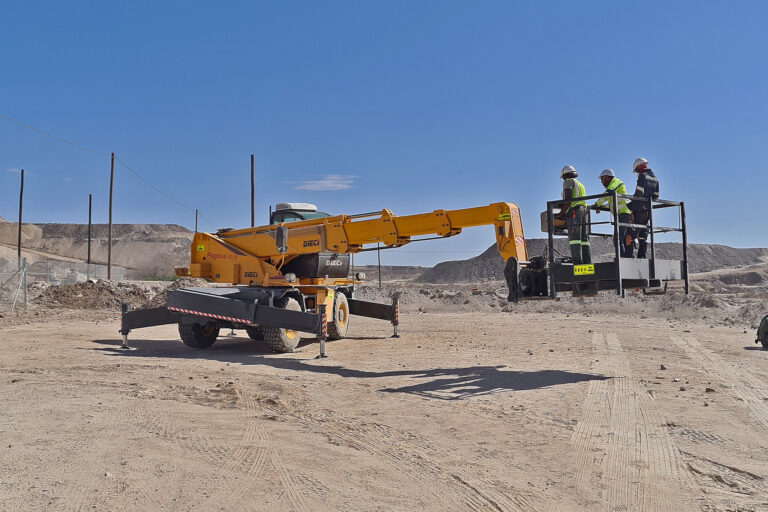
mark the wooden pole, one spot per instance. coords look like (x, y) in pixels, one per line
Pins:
(90, 211)
(252, 195)
(21, 202)
(109, 247)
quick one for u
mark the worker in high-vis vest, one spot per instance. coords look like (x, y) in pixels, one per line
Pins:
(611, 184)
(575, 213)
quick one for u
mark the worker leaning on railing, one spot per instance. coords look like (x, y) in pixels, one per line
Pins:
(614, 184)
(575, 214)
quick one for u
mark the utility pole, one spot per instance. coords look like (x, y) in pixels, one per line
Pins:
(109, 247)
(21, 202)
(195, 220)
(90, 210)
(252, 193)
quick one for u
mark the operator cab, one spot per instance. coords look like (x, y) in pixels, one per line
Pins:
(292, 212)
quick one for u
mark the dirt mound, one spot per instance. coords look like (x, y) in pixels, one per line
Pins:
(746, 278)
(489, 265)
(436, 298)
(160, 299)
(749, 314)
(91, 295)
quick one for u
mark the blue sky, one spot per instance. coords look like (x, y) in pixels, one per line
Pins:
(358, 106)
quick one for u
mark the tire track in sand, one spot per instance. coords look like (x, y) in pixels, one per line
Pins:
(450, 489)
(750, 390)
(623, 435)
(252, 458)
(129, 419)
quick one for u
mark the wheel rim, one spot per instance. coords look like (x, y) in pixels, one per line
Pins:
(341, 316)
(290, 334)
(207, 331)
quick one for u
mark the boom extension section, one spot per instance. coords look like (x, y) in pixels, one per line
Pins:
(263, 256)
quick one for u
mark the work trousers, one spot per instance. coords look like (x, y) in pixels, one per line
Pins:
(626, 249)
(578, 235)
(642, 217)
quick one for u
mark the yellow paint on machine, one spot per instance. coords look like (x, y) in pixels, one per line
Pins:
(251, 257)
(583, 270)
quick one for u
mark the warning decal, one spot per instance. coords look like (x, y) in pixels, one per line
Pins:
(583, 270)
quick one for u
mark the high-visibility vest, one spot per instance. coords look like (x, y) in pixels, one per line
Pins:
(617, 185)
(578, 191)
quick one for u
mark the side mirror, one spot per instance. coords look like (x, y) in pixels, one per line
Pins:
(281, 239)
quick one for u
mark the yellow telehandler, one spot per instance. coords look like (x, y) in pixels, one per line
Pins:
(283, 276)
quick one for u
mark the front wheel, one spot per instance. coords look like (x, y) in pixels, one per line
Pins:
(339, 324)
(198, 335)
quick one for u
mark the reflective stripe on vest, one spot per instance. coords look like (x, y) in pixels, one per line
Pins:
(617, 185)
(579, 191)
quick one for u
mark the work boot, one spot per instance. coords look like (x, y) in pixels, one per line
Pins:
(643, 247)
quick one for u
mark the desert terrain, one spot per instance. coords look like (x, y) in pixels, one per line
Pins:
(644, 403)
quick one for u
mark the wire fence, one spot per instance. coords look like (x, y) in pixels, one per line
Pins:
(14, 284)
(13, 289)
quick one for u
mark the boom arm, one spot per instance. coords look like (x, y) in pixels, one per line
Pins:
(251, 256)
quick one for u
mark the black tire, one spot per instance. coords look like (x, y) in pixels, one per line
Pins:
(762, 332)
(198, 335)
(337, 328)
(254, 332)
(279, 339)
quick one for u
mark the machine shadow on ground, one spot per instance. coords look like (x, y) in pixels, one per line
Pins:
(438, 383)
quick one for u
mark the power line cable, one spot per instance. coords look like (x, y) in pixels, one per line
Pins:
(158, 190)
(90, 150)
(60, 139)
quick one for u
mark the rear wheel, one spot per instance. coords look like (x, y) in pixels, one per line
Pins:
(338, 326)
(198, 335)
(279, 339)
(254, 332)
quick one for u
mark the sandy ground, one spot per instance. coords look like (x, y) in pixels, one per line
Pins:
(466, 411)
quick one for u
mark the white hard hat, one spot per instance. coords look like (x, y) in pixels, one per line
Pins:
(607, 172)
(638, 162)
(568, 169)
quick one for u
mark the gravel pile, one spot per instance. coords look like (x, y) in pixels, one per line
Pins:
(160, 299)
(91, 295)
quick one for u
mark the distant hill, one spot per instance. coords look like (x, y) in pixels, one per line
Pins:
(489, 265)
(144, 249)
